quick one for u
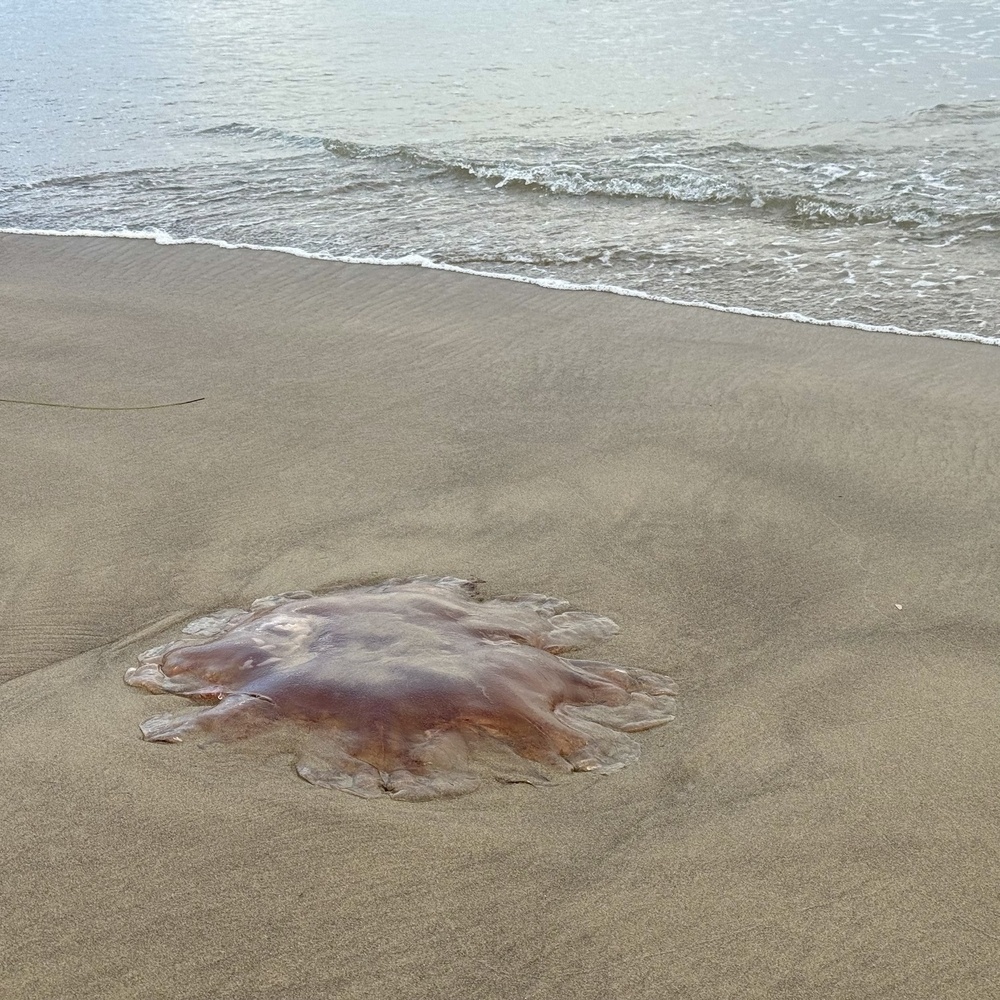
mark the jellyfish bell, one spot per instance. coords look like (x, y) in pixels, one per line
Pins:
(411, 688)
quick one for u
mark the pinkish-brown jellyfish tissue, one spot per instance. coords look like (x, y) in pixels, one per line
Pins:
(410, 688)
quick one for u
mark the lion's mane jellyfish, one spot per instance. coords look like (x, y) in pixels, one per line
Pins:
(410, 688)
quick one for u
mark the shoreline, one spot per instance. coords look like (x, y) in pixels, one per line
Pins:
(416, 260)
(797, 525)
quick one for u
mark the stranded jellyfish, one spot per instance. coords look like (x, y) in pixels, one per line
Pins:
(410, 688)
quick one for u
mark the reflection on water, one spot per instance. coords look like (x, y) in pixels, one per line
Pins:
(835, 158)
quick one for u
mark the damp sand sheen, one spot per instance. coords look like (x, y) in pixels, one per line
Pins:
(793, 522)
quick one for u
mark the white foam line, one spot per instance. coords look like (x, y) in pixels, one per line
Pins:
(416, 260)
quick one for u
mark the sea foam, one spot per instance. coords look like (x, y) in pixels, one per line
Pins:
(416, 260)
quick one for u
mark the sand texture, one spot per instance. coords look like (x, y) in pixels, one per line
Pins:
(750, 499)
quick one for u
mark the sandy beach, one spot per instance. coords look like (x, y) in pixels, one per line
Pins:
(797, 523)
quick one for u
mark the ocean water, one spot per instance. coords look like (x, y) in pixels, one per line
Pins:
(831, 159)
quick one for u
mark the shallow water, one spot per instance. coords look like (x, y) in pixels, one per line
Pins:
(836, 160)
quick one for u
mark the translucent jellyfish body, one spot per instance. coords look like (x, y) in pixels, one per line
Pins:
(410, 688)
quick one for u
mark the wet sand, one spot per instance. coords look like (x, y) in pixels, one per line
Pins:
(797, 523)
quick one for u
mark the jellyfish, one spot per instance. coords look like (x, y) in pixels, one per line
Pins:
(411, 688)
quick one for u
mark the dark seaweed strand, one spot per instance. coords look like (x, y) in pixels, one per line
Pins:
(74, 406)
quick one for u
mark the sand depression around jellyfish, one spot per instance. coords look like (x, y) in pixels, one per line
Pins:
(409, 688)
